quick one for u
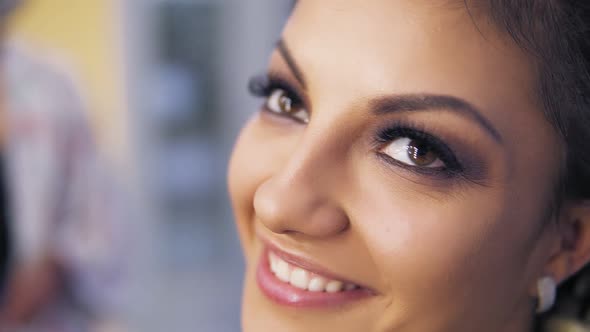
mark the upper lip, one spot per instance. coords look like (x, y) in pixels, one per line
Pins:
(306, 264)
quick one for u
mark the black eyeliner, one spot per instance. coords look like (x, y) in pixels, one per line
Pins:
(263, 85)
(403, 129)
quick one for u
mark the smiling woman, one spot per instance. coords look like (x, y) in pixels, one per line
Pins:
(416, 166)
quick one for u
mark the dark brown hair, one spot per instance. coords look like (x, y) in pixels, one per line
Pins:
(556, 33)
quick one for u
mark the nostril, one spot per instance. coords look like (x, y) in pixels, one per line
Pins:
(327, 220)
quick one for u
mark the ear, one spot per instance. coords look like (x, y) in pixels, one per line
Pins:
(572, 250)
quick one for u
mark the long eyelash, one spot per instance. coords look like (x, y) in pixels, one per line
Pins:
(414, 131)
(263, 85)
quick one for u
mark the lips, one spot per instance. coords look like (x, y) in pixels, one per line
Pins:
(290, 281)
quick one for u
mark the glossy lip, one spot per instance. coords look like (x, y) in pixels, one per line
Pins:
(285, 294)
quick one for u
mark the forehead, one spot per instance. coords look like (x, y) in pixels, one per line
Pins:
(388, 46)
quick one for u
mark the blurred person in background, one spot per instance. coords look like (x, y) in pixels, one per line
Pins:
(61, 210)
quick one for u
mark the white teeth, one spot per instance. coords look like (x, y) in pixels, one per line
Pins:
(283, 270)
(334, 286)
(299, 278)
(317, 284)
(303, 279)
(273, 261)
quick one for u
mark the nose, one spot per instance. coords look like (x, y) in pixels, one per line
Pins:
(301, 196)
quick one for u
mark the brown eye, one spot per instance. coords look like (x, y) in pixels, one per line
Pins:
(413, 152)
(280, 102)
(285, 103)
(420, 153)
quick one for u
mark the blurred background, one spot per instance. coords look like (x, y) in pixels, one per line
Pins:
(163, 84)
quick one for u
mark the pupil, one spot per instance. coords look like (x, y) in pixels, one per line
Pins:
(285, 103)
(420, 153)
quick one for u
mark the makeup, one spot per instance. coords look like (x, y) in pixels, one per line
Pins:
(463, 163)
(278, 94)
(451, 165)
(291, 281)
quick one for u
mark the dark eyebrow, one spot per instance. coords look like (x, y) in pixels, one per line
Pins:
(284, 51)
(407, 102)
(426, 102)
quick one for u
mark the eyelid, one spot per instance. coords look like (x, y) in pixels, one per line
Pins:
(264, 85)
(288, 81)
(474, 163)
(443, 151)
(259, 86)
(423, 171)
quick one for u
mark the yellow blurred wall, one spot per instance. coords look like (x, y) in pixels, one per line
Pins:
(86, 35)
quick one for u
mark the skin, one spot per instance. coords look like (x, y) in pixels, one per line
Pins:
(458, 253)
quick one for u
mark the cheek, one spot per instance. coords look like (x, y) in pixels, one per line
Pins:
(256, 157)
(244, 174)
(469, 248)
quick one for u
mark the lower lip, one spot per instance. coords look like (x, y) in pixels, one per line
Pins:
(287, 295)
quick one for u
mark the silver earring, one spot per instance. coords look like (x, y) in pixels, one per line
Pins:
(547, 289)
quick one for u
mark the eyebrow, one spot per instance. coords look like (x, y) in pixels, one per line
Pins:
(284, 51)
(408, 102)
(427, 102)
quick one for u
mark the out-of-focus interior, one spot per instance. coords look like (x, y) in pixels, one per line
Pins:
(162, 87)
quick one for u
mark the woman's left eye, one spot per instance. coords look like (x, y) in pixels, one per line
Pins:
(280, 102)
(413, 152)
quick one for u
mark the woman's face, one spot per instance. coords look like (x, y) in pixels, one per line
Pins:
(397, 177)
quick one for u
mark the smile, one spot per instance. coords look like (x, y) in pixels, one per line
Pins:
(305, 280)
(291, 281)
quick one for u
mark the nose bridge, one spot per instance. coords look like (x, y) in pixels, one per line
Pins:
(313, 161)
(301, 195)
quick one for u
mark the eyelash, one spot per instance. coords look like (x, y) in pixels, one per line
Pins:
(263, 85)
(401, 129)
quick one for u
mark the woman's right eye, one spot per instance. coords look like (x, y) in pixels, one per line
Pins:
(280, 101)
